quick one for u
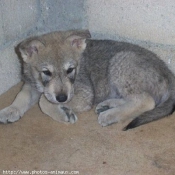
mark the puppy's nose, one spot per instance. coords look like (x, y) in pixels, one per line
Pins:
(61, 97)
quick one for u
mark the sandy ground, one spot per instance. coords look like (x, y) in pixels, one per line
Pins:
(36, 142)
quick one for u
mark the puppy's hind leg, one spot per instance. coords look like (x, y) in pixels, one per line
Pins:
(108, 104)
(130, 107)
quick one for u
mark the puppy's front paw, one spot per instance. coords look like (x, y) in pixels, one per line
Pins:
(9, 115)
(69, 115)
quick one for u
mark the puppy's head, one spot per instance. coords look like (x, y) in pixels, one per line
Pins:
(51, 62)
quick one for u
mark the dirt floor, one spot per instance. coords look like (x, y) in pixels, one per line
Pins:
(40, 145)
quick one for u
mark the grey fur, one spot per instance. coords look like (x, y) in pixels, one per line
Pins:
(118, 70)
(74, 73)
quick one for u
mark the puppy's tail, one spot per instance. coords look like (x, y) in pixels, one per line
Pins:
(157, 113)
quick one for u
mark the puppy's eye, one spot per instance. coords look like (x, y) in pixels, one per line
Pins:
(47, 72)
(70, 70)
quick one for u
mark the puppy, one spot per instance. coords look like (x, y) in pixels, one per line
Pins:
(71, 73)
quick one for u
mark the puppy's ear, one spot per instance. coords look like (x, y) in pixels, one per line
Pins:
(29, 48)
(78, 39)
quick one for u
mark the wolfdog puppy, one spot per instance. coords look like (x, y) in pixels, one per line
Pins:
(71, 73)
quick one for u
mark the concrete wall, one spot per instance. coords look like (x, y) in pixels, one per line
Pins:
(147, 23)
